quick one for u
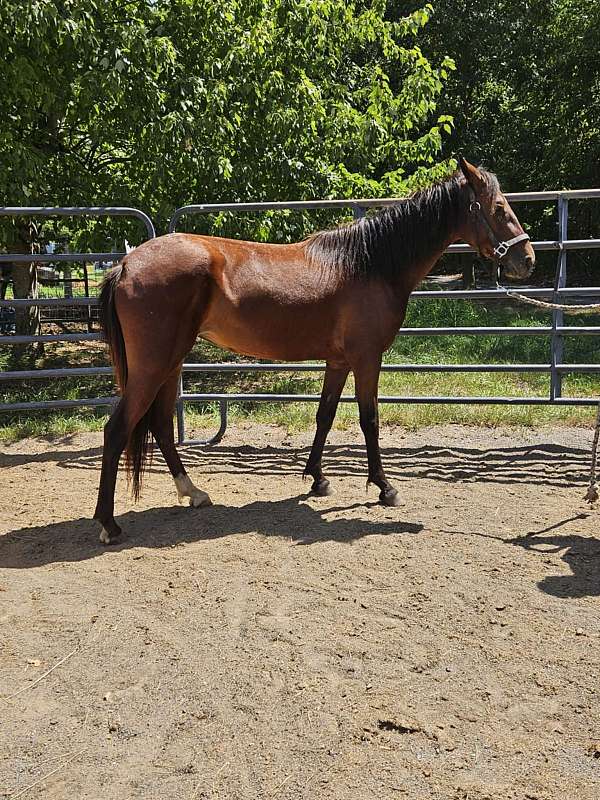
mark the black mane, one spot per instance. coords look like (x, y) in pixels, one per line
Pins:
(406, 233)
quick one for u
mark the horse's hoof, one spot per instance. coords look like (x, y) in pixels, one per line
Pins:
(200, 500)
(109, 534)
(321, 488)
(389, 497)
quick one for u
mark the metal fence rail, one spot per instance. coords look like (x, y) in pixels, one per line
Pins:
(80, 211)
(556, 331)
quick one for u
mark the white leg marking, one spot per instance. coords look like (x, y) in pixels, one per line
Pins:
(185, 488)
(104, 536)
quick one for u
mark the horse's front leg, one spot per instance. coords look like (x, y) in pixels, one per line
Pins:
(333, 385)
(366, 376)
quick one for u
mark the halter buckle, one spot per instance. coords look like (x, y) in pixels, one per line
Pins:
(501, 250)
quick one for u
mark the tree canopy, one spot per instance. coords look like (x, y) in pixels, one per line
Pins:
(166, 102)
(526, 92)
(160, 103)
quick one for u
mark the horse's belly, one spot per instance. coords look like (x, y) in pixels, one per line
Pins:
(264, 348)
(279, 334)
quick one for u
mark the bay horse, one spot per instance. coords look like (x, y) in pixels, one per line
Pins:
(340, 295)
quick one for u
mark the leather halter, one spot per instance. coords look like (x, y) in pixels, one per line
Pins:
(501, 248)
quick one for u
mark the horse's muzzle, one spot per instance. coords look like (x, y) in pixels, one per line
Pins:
(519, 271)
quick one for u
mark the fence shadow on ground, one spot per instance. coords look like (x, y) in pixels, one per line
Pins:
(293, 519)
(539, 464)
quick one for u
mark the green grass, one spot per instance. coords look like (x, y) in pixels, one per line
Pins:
(52, 424)
(51, 290)
(300, 416)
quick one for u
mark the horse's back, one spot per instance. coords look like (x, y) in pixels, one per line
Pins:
(262, 300)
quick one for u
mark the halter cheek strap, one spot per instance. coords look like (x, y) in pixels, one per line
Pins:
(502, 248)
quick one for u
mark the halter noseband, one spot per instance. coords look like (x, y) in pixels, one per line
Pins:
(502, 248)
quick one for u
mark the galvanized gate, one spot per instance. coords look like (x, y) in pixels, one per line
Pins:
(6, 340)
(556, 331)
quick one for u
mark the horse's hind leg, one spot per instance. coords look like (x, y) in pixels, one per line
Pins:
(135, 402)
(161, 425)
(366, 375)
(333, 385)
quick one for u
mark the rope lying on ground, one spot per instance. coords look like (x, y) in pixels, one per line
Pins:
(591, 308)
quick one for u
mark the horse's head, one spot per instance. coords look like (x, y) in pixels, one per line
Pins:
(491, 226)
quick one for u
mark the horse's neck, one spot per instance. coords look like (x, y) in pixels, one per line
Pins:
(408, 280)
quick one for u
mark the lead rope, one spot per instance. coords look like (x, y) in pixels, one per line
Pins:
(592, 491)
(591, 308)
(500, 251)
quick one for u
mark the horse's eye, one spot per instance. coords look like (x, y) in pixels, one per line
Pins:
(499, 211)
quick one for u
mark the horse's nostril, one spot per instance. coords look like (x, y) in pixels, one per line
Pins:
(530, 264)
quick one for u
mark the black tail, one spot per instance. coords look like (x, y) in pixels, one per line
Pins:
(111, 327)
(138, 444)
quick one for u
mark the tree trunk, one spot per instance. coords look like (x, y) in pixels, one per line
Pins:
(25, 283)
(27, 320)
(25, 286)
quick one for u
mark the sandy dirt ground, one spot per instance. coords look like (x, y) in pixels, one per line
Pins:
(278, 645)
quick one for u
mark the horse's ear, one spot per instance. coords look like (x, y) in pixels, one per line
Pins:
(472, 174)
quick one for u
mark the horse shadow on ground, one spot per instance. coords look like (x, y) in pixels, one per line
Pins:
(293, 519)
(545, 464)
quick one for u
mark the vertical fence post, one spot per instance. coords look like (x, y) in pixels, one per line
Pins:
(67, 277)
(223, 409)
(358, 212)
(179, 410)
(558, 342)
(86, 288)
